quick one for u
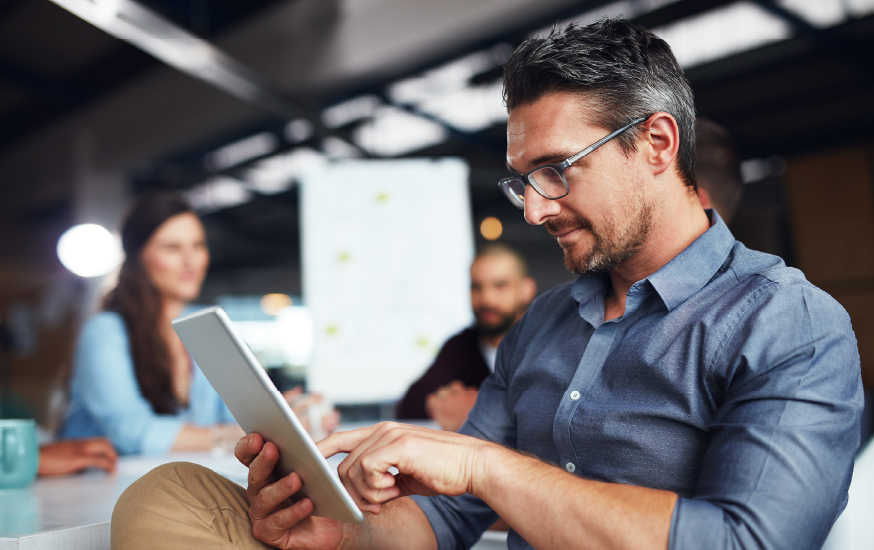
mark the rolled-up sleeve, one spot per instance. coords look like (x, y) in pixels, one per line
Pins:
(780, 459)
(105, 388)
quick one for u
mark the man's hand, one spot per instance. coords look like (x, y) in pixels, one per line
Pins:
(68, 457)
(429, 462)
(312, 407)
(450, 404)
(275, 520)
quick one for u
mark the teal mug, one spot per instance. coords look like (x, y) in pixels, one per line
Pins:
(19, 453)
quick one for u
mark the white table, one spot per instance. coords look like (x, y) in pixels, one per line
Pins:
(854, 530)
(73, 513)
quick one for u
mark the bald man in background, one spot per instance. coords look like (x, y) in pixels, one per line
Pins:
(717, 169)
(500, 290)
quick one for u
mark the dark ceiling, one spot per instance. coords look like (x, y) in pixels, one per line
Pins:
(807, 93)
(52, 63)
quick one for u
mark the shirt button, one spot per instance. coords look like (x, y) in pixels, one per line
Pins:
(575, 395)
(570, 467)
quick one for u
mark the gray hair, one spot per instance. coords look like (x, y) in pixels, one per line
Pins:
(622, 70)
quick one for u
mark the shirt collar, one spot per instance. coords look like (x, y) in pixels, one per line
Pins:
(681, 277)
(691, 269)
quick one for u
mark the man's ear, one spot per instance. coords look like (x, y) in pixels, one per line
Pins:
(662, 139)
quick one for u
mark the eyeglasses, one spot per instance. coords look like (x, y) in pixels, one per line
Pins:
(549, 180)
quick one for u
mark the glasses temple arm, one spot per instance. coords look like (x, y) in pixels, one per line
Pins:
(602, 141)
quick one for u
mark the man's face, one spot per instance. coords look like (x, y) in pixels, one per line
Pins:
(606, 217)
(498, 293)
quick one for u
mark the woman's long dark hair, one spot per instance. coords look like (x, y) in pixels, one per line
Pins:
(139, 302)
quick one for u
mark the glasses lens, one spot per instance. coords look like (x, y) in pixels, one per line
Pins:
(515, 191)
(550, 182)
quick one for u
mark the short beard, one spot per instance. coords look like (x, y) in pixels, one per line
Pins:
(495, 329)
(612, 247)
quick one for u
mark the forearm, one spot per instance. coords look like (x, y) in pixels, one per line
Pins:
(551, 508)
(400, 525)
(205, 438)
(193, 438)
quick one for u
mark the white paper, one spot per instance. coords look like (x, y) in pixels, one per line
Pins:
(387, 247)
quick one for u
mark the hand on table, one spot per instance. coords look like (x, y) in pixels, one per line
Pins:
(304, 403)
(68, 457)
(450, 404)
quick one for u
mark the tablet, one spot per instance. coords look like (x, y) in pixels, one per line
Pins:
(240, 380)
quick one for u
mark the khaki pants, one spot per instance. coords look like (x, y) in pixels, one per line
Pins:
(183, 506)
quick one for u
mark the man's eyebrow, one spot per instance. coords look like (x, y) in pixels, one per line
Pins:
(549, 158)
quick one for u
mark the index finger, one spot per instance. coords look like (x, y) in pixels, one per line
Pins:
(344, 442)
(99, 446)
(103, 462)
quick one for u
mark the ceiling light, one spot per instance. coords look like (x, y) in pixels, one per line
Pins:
(447, 78)
(469, 109)
(278, 173)
(89, 250)
(820, 13)
(298, 130)
(491, 228)
(628, 9)
(721, 32)
(350, 111)
(218, 193)
(393, 131)
(860, 8)
(339, 148)
(241, 151)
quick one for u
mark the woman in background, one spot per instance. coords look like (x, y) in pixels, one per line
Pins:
(133, 381)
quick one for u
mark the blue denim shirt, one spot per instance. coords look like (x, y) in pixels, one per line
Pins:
(730, 380)
(105, 398)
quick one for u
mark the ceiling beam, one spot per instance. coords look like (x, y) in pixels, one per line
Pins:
(51, 90)
(55, 98)
(139, 26)
(676, 11)
(8, 8)
(844, 50)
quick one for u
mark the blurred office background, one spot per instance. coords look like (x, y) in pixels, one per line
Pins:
(239, 104)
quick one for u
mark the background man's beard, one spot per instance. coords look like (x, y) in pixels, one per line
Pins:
(611, 248)
(497, 328)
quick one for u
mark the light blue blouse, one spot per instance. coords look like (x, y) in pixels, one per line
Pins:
(105, 398)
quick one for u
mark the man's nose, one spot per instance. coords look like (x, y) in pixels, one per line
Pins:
(537, 208)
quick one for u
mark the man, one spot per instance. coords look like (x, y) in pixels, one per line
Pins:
(684, 392)
(717, 169)
(500, 290)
